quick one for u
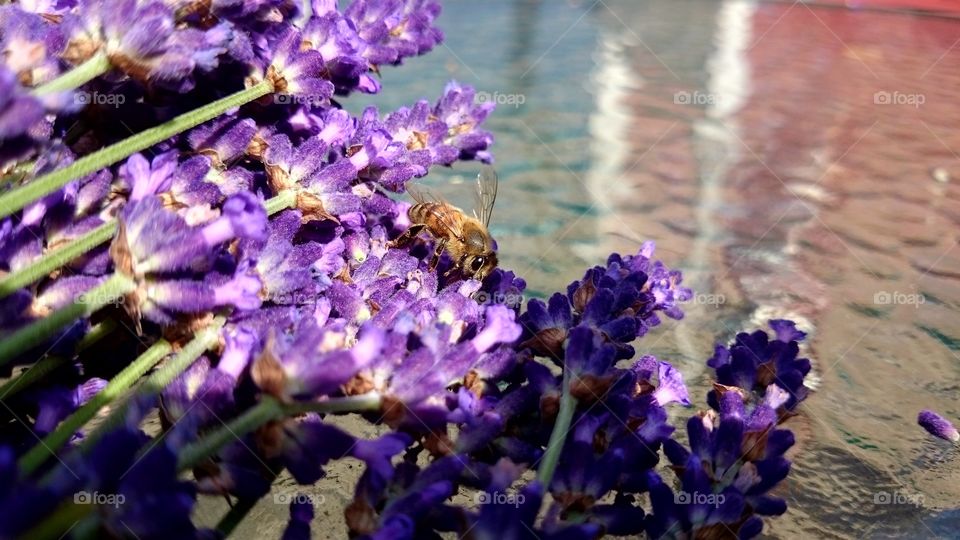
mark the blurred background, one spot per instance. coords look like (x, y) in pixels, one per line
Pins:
(794, 159)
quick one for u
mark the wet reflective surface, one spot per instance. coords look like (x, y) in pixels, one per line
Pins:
(793, 161)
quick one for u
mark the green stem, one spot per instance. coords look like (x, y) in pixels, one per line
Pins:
(50, 363)
(161, 378)
(17, 198)
(97, 65)
(61, 521)
(56, 258)
(269, 409)
(37, 455)
(40, 330)
(559, 434)
(285, 199)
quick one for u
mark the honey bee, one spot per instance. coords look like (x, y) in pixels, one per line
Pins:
(465, 238)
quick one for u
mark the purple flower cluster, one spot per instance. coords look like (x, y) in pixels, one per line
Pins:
(269, 228)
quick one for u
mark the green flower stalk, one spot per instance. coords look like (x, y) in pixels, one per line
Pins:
(96, 65)
(19, 197)
(47, 364)
(56, 258)
(86, 304)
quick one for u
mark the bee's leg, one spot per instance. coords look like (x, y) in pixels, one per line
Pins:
(442, 243)
(404, 239)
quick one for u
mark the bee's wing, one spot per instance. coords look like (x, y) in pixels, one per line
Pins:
(486, 194)
(419, 194)
(445, 213)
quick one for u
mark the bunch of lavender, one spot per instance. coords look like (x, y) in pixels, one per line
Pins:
(231, 261)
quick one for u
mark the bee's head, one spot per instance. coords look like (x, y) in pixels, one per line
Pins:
(480, 266)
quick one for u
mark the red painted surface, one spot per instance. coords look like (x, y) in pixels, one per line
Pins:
(944, 6)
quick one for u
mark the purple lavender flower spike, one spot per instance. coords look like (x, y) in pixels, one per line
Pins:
(301, 514)
(298, 72)
(30, 43)
(381, 159)
(394, 30)
(323, 188)
(590, 361)
(169, 296)
(670, 387)
(280, 264)
(160, 241)
(155, 245)
(937, 426)
(56, 404)
(753, 362)
(337, 127)
(786, 331)
(156, 503)
(146, 51)
(499, 327)
(290, 368)
(205, 47)
(144, 178)
(196, 187)
(458, 110)
(19, 111)
(62, 292)
(178, 396)
(339, 46)
(223, 139)
(237, 472)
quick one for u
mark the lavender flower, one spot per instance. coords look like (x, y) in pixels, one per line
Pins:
(19, 111)
(154, 245)
(297, 71)
(145, 51)
(301, 514)
(394, 30)
(753, 362)
(30, 44)
(55, 404)
(937, 425)
(319, 313)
